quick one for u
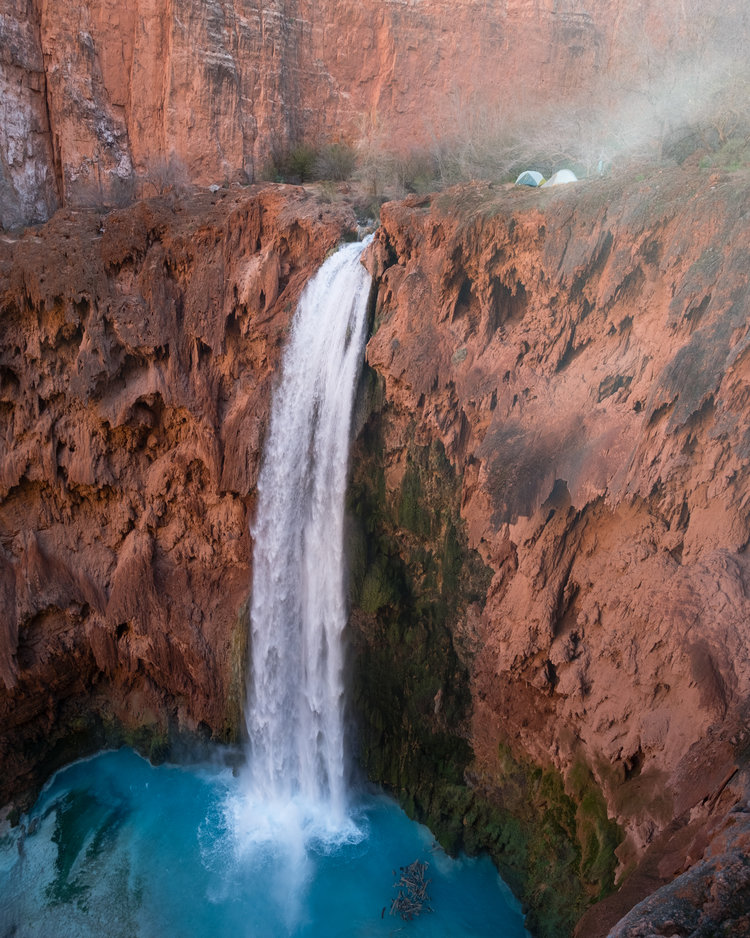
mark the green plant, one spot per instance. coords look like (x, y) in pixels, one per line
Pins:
(300, 163)
(295, 165)
(336, 161)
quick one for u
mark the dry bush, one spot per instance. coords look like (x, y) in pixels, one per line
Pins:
(335, 161)
(164, 175)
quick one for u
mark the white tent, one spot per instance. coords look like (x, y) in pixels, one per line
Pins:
(530, 177)
(560, 177)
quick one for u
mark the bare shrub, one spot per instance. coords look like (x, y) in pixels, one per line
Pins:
(164, 176)
(336, 161)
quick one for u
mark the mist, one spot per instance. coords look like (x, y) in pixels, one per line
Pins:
(660, 87)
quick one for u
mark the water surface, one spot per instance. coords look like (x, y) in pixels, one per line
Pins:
(116, 847)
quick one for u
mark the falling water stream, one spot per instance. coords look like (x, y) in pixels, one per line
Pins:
(295, 716)
(283, 847)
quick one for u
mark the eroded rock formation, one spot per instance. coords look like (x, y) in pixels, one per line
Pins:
(549, 509)
(138, 353)
(581, 355)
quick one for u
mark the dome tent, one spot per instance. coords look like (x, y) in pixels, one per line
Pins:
(560, 177)
(530, 177)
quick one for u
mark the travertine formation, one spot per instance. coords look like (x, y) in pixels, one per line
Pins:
(582, 354)
(138, 354)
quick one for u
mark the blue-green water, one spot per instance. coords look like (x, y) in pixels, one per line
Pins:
(116, 847)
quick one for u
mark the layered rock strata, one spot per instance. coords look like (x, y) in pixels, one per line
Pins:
(105, 101)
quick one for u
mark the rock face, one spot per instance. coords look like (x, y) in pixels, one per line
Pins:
(28, 187)
(560, 383)
(104, 100)
(138, 353)
(581, 354)
(711, 898)
(550, 500)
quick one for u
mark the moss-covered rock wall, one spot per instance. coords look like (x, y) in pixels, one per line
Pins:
(413, 578)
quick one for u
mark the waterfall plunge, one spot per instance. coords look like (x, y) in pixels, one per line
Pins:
(110, 847)
(295, 721)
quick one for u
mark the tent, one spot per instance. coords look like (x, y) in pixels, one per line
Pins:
(560, 177)
(529, 177)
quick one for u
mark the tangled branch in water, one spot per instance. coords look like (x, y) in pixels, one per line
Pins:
(412, 895)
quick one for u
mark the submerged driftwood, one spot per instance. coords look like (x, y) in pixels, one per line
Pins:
(412, 897)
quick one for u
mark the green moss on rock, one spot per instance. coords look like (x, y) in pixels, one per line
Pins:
(233, 722)
(412, 576)
(552, 841)
(598, 835)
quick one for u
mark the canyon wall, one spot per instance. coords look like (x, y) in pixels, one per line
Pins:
(580, 355)
(105, 101)
(549, 497)
(548, 511)
(138, 354)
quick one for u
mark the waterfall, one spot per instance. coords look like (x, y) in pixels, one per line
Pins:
(295, 713)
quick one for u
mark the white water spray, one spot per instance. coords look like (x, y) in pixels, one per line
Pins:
(295, 715)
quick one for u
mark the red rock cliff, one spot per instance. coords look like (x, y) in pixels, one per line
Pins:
(138, 352)
(99, 98)
(582, 354)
